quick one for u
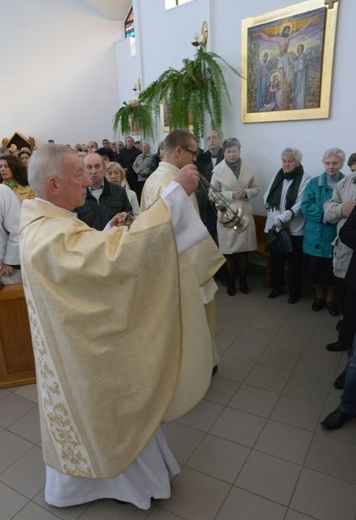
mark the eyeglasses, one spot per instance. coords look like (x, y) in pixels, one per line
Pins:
(194, 153)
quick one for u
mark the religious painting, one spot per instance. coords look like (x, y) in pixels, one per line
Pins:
(135, 127)
(287, 61)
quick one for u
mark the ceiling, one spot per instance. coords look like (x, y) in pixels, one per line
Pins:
(111, 9)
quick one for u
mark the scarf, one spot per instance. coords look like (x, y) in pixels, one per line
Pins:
(11, 184)
(235, 167)
(274, 196)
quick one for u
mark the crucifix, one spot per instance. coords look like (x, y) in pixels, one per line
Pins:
(330, 3)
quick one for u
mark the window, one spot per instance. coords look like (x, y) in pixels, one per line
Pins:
(129, 25)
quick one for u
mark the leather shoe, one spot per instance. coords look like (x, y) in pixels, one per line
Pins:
(275, 293)
(337, 346)
(231, 289)
(333, 308)
(318, 304)
(337, 419)
(339, 382)
(243, 285)
(339, 325)
(292, 299)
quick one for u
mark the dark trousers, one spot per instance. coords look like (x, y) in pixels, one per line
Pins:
(295, 268)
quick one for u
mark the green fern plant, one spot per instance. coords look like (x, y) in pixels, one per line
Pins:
(188, 95)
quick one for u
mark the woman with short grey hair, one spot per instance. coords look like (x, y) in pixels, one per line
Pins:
(235, 179)
(283, 200)
(319, 233)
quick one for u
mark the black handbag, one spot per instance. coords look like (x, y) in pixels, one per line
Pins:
(278, 240)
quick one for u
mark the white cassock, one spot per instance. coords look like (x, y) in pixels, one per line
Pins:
(148, 476)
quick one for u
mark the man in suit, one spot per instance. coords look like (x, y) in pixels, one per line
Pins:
(205, 164)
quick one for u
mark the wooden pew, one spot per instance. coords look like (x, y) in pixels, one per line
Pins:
(17, 365)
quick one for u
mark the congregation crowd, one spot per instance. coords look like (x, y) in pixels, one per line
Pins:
(126, 179)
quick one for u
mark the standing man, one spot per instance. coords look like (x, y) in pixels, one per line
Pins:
(103, 390)
(126, 158)
(205, 163)
(92, 146)
(180, 149)
(103, 199)
(141, 167)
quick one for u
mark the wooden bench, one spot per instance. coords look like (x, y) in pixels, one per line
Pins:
(17, 365)
(260, 222)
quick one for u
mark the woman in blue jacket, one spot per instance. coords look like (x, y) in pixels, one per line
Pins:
(319, 234)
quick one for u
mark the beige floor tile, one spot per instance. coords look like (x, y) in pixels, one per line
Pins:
(317, 366)
(12, 407)
(317, 347)
(240, 427)
(281, 359)
(297, 412)
(12, 448)
(290, 343)
(285, 442)
(182, 440)
(26, 475)
(294, 515)
(269, 477)
(196, 496)
(28, 391)
(222, 343)
(297, 328)
(324, 497)
(234, 369)
(11, 502)
(34, 512)
(219, 458)
(64, 513)
(161, 514)
(28, 426)
(265, 322)
(243, 505)
(221, 390)
(332, 457)
(307, 388)
(202, 416)
(268, 378)
(254, 400)
(325, 334)
(110, 510)
(257, 336)
(244, 351)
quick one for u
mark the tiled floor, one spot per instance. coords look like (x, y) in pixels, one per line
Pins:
(252, 450)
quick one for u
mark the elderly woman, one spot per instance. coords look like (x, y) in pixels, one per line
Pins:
(319, 234)
(14, 175)
(234, 178)
(283, 200)
(115, 173)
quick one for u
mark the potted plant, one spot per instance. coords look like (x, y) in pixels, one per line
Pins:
(187, 94)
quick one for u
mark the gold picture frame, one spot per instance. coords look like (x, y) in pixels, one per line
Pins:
(287, 62)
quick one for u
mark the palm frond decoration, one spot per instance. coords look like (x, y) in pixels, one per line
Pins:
(189, 94)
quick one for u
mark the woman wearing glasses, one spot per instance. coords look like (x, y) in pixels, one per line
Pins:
(234, 178)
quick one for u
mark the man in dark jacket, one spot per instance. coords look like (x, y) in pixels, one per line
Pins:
(104, 199)
(126, 158)
(206, 162)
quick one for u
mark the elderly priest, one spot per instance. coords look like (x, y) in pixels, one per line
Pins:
(105, 310)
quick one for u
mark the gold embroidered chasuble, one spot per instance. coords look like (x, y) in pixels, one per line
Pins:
(106, 312)
(205, 257)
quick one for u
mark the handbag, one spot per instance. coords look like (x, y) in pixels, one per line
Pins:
(278, 240)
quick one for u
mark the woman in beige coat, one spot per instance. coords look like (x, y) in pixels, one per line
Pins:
(234, 178)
